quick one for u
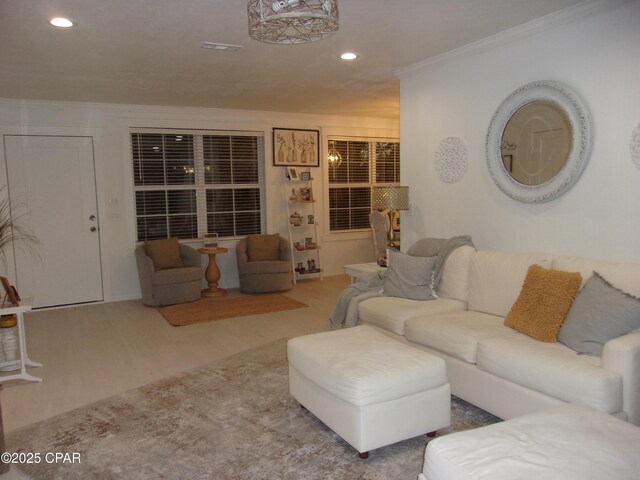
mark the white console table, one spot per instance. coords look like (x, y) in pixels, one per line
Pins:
(362, 271)
(24, 361)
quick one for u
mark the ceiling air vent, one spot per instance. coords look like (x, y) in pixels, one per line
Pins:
(221, 46)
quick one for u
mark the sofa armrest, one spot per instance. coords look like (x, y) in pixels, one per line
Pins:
(622, 355)
(242, 256)
(285, 250)
(145, 274)
(190, 256)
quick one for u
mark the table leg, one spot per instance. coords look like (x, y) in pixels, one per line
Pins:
(212, 274)
(4, 467)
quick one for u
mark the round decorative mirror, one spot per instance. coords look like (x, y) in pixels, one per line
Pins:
(538, 142)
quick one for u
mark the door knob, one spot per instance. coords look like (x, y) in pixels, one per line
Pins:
(93, 229)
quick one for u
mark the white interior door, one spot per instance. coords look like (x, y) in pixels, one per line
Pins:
(53, 179)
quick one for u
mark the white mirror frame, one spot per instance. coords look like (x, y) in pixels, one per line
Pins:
(565, 99)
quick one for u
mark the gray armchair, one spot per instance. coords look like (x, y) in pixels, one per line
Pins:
(264, 275)
(171, 285)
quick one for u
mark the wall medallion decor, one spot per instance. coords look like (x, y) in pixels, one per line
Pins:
(635, 146)
(452, 159)
(538, 142)
(294, 147)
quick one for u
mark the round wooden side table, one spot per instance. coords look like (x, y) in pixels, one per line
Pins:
(212, 274)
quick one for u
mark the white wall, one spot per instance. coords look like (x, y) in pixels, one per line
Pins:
(109, 126)
(597, 54)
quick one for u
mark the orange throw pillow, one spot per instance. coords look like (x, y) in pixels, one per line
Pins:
(543, 303)
(263, 247)
(165, 253)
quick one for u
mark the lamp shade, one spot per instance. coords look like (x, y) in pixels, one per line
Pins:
(391, 198)
(292, 21)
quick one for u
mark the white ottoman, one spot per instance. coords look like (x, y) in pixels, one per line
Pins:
(568, 442)
(370, 389)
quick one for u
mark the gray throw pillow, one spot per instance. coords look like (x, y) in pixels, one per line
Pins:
(409, 276)
(600, 312)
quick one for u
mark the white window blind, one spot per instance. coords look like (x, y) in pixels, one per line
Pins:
(365, 163)
(190, 183)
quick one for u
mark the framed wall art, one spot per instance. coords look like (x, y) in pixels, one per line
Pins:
(295, 147)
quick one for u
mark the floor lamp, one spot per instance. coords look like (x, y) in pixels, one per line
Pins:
(392, 199)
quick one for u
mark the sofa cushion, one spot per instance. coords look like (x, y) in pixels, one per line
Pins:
(390, 313)
(544, 302)
(625, 276)
(553, 369)
(495, 279)
(165, 253)
(263, 247)
(176, 275)
(568, 442)
(456, 334)
(409, 276)
(600, 313)
(455, 275)
(266, 266)
(363, 366)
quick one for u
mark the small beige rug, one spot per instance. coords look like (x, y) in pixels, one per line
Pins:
(219, 308)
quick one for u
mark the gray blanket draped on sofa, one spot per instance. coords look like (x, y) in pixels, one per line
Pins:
(345, 311)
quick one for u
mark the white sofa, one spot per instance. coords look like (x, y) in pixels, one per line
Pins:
(497, 368)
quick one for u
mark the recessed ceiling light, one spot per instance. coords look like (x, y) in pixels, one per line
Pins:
(348, 56)
(61, 22)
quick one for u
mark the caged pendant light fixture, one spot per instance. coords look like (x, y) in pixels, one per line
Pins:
(288, 22)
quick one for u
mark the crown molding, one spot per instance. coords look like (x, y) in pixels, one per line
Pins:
(547, 22)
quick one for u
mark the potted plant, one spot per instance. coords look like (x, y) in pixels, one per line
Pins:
(12, 233)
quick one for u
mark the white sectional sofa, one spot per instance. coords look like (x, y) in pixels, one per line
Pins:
(497, 368)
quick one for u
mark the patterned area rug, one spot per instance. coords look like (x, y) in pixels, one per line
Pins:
(233, 419)
(219, 308)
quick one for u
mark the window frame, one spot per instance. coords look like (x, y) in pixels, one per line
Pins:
(199, 185)
(372, 141)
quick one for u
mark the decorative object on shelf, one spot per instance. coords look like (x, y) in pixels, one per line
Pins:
(13, 344)
(287, 22)
(295, 147)
(305, 176)
(554, 116)
(311, 264)
(9, 343)
(306, 195)
(311, 219)
(293, 174)
(10, 293)
(295, 219)
(293, 198)
(635, 146)
(8, 321)
(452, 159)
(334, 159)
(300, 268)
(309, 244)
(210, 240)
(298, 247)
(392, 199)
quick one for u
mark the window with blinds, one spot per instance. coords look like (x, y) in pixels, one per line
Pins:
(365, 163)
(188, 184)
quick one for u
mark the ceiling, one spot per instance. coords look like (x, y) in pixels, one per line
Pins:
(150, 52)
